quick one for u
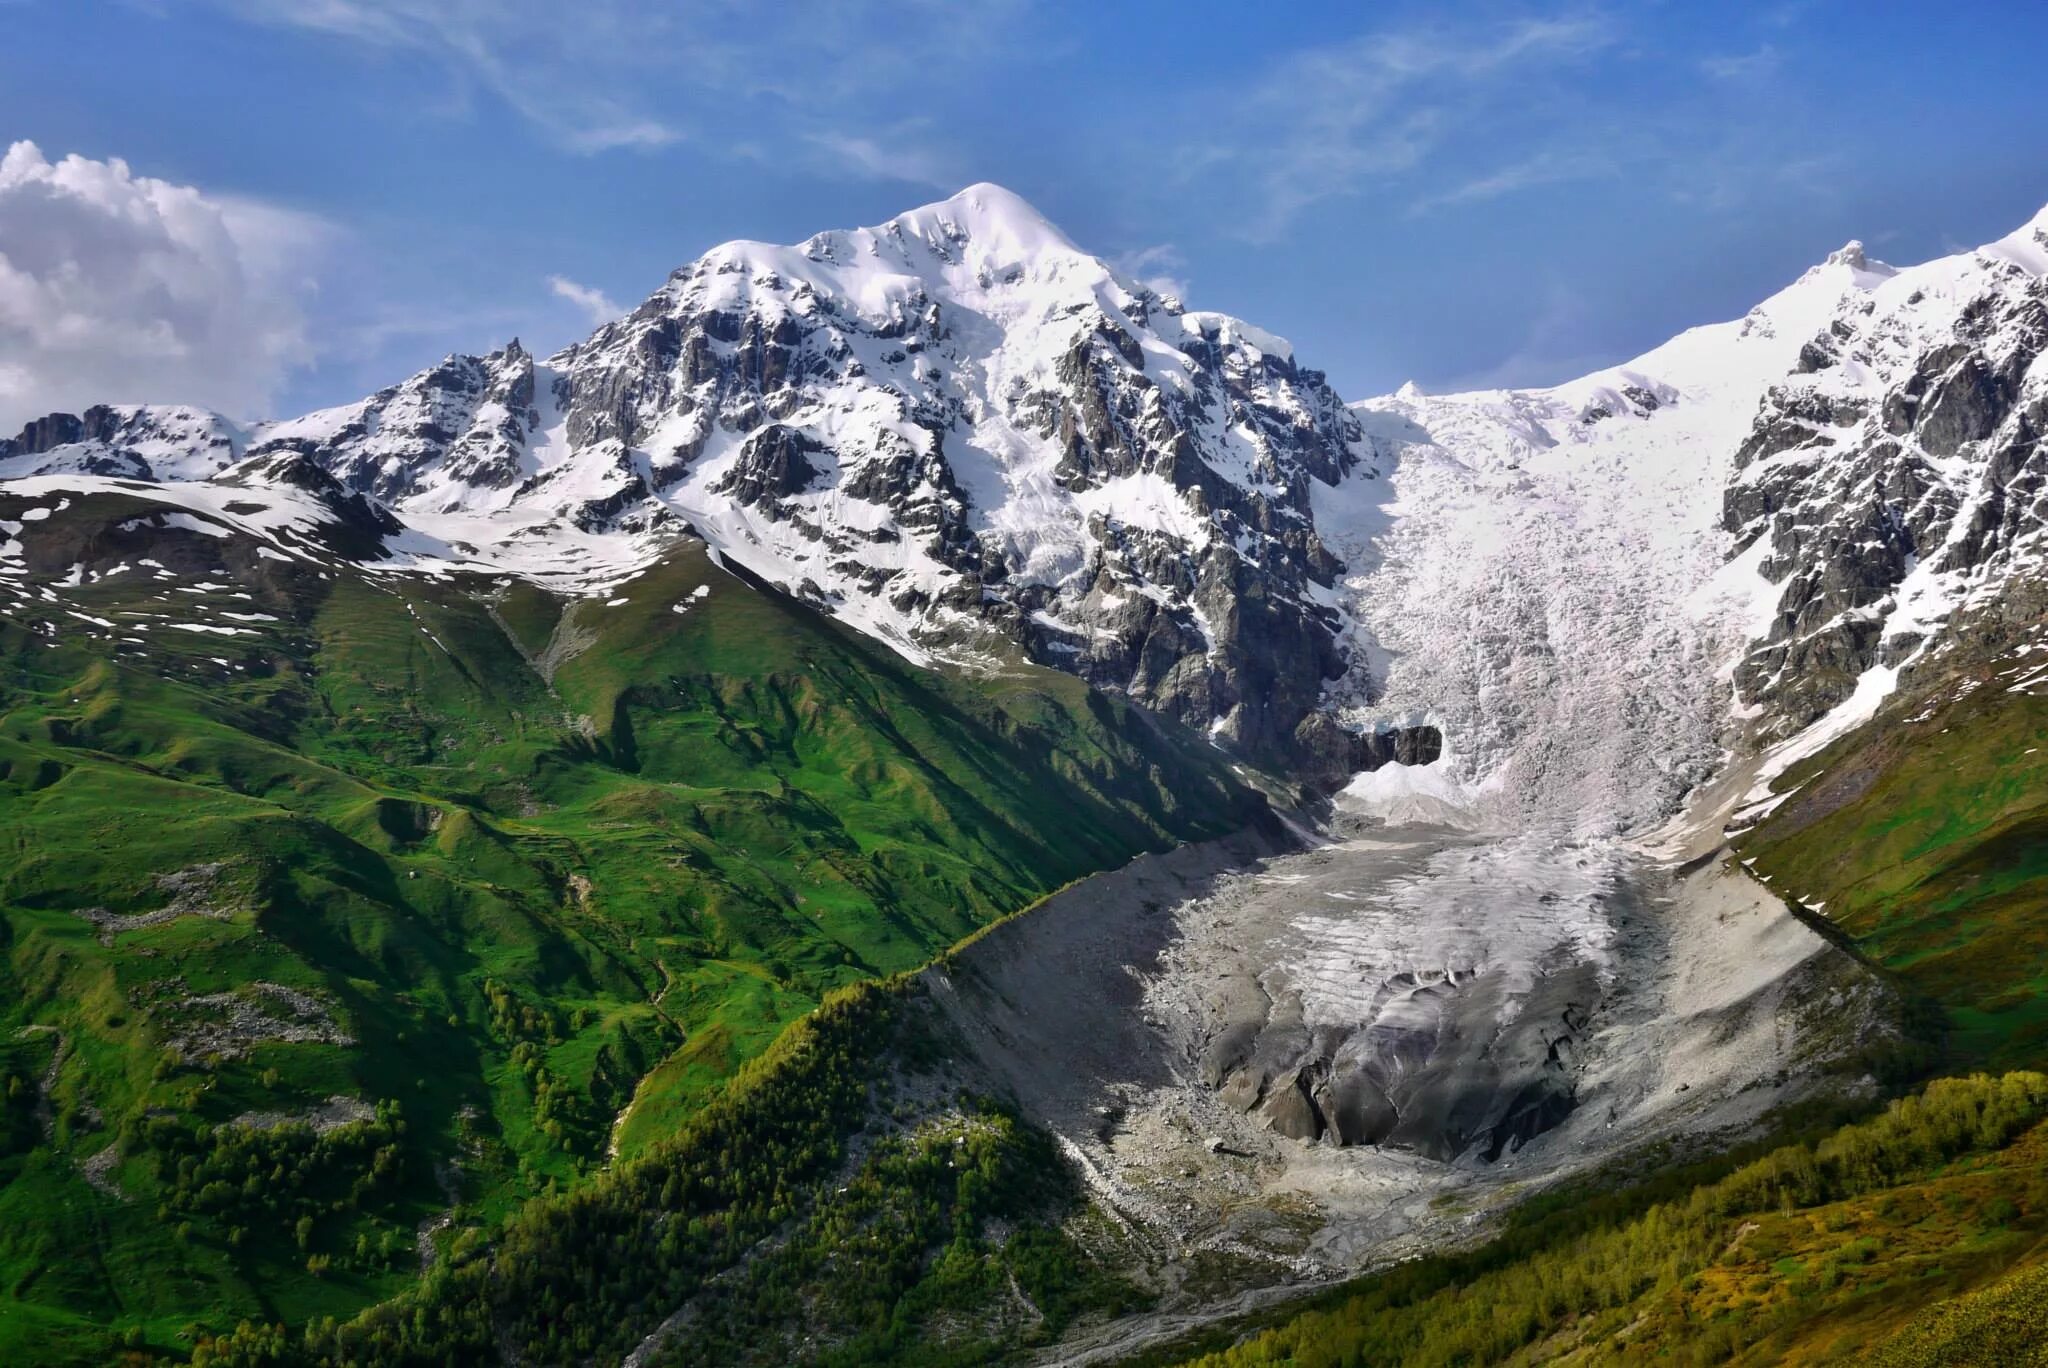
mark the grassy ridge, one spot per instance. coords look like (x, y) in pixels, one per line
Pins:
(490, 868)
(1992, 1327)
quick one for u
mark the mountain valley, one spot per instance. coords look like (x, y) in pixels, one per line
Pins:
(913, 799)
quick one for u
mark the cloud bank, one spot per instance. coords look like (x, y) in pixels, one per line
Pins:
(123, 288)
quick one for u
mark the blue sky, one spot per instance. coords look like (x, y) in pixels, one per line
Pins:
(1457, 194)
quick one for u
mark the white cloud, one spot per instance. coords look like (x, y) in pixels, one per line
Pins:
(122, 288)
(596, 304)
(1158, 267)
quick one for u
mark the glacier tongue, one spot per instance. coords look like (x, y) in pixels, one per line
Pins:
(1746, 537)
(1432, 1004)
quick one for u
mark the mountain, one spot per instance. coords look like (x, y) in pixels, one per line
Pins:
(955, 431)
(399, 820)
(493, 825)
(961, 434)
(1780, 582)
(1601, 589)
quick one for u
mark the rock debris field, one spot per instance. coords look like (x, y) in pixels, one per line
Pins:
(1314, 1060)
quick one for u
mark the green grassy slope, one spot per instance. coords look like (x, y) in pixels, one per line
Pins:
(490, 868)
(1925, 839)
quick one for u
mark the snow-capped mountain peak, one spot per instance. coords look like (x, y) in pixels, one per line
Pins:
(951, 429)
(1852, 255)
(989, 220)
(961, 433)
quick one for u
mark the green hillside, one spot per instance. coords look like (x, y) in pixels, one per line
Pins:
(840, 1203)
(346, 917)
(1924, 838)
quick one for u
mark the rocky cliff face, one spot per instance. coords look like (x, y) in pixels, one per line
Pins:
(966, 421)
(449, 437)
(137, 442)
(1897, 476)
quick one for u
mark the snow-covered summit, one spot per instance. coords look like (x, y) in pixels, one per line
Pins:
(951, 430)
(984, 241)
(997, 222)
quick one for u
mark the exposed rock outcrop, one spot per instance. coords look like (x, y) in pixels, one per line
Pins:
(1898, 475)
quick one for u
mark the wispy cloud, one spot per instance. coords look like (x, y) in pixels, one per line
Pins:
(564, 74)
(1739, 172)
(1337, 121)
(894, 157)
(1747, 66)
(1160, 267)
(598, 306)
(1544, 168)
(606, 75)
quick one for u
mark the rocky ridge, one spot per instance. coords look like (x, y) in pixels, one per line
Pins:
(1896, 476)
